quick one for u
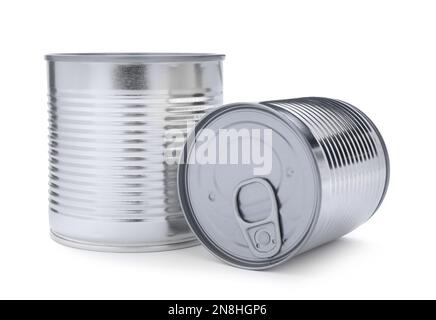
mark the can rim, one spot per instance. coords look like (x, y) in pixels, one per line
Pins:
(147, 57)
(190, 216)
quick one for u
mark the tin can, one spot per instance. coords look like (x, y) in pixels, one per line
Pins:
(117, 122)
(328, 173)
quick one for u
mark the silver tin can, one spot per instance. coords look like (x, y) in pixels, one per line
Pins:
(328, 174)
(117, 123)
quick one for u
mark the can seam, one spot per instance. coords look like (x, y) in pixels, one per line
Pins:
(189, 242)
(146, 57)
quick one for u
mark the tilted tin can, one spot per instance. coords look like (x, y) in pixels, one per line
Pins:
(117, 124)
(328, 172)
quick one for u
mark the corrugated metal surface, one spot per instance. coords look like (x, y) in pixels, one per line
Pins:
(116, 130)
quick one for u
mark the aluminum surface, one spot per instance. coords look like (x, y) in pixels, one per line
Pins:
(330, 171)
(116, 127)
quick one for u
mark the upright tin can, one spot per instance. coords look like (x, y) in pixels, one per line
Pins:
(324, 171)
(117, 123)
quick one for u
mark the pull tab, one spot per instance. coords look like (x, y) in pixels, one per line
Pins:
(263, 236)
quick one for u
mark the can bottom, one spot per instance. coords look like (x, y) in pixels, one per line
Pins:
(73, 243)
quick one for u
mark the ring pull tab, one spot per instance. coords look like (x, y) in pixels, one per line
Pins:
(263, 236)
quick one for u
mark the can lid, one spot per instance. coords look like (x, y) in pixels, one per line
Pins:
(145, 57)
(249, 184)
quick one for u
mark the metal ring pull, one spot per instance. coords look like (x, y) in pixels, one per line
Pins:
(263, 237)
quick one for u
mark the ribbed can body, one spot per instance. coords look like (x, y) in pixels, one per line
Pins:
(352, 161)
(314, 170)
(116, 127)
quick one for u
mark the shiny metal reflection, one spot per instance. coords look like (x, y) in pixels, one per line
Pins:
(112, 118)
(330, 172)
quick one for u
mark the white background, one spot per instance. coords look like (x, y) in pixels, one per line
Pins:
(378, 55)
